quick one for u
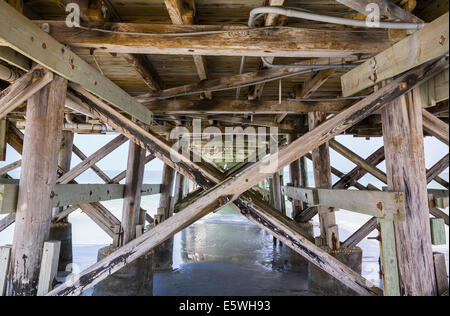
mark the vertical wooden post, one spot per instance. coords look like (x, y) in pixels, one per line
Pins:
(388, 255)
(322, 177)
(63, 230)
(405, 169)
(178, 192)
(3, 130)
(132, 201)
(166, 190)
(49, 267)
(298, 178)
(44, 120)
(5, 255)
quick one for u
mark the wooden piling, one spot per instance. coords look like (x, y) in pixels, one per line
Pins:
(132, 200)
(405, 169)
(37, 181)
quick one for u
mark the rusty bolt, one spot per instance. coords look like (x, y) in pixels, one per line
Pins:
(442, 40)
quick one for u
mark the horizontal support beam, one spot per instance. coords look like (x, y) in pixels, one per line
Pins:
(73, 194)
(386, 205)
(12, 57)
(220, 40)
(435, 126)
(185, 107)
(28, 39)
(418, 48)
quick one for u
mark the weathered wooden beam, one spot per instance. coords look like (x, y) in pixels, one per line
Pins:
(94, 168)
(389, 258)
(435, 90)
(358, 172)
(405, 169)
(102, 217)
(347, 153)
(37, 181)
(23, 89)
(434, 172)
(388, 10)
(7, 221)
(435, 126)
(386, 205)
(440, 273)
(418, 48)
(10, 167)
(229, 41)
(145, 69)
(322, 178)
(27, 38)
(433, 10)
(3, 139)
(310, 85)
(186, 107)
(12, 57)
(72, 194)
(93, 159)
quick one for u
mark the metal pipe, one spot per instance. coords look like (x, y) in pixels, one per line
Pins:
(8, 74)
(255, 13)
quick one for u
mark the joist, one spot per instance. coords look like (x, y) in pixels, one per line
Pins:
(72, 194)
(310, 85)
(418, 48)
(386, 205)
(435, 90)
(23, 89)
(256, 91)
(186, 107)
(435, 126)
(223, 194)
(230, 41)
(183, 12)
(233, 81)
(12, 57)
(28, 39)
(388, 10)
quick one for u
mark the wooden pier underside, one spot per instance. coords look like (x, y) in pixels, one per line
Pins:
(131, 69)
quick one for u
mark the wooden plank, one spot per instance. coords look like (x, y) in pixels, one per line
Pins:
(388, 10)
(230, 41)
(418, 48)
(23, 89)
(37, 180)
(102, 217)
(389, 263)
(28, 39)
(12, 57)
(167, 181)
(212, 200)
(435, 126)
(49, 266)
(405, 169)
(440, 268)
(220, 106)
(146, 70)
(439, 214)
(71, 194)
(5, 256)
(387, 205)
(438, 234)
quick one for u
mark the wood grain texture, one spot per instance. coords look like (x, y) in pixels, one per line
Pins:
(40, 152)
(405, 165)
